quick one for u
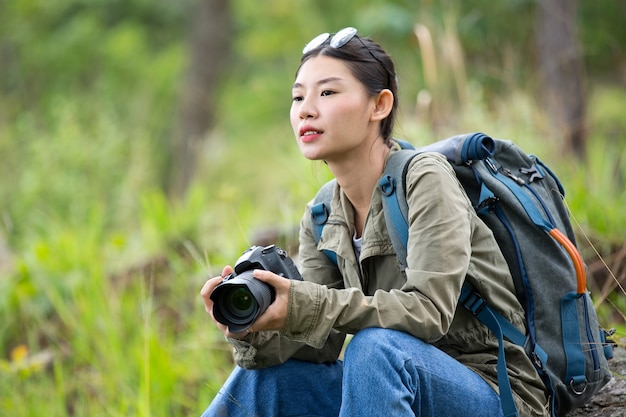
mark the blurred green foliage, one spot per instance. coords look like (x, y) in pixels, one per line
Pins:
(100, 271)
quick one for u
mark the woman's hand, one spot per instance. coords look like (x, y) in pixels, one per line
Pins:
(206, 291)
(272, 319)
(276, 314)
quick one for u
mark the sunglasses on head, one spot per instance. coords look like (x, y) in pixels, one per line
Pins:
(338, 40)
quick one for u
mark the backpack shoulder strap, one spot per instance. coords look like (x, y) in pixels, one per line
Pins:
(320, 211)
(395, 207)
(502, 329)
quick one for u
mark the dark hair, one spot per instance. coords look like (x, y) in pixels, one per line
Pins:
(369, 64)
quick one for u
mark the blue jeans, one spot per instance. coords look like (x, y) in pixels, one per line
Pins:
(384, 372)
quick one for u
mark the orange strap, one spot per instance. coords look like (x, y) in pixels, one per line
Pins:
(579, 265)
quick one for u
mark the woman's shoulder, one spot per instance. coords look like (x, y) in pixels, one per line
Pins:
(426, 158)
(432, 163)
(412, 162)
(430, 177)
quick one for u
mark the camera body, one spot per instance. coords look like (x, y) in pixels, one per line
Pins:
(240, 298)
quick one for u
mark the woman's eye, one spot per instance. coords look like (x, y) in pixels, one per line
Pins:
(327, 93)
(297, 98)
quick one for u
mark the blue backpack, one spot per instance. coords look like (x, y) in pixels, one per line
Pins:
(521, 201)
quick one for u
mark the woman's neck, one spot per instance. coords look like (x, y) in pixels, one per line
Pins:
(358, 176)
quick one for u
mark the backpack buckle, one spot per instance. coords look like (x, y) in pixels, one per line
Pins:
(473, 301)
(319, 214)
(487, 205)
(387, 185)
(536, 360)
(533, 173)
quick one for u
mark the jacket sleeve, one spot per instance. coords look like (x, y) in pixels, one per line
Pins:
(263, 349)
(439, 250)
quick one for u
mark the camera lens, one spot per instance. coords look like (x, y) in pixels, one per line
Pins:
(239, 302)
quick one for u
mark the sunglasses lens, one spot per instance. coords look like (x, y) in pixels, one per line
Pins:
(315, 42)
(342, 37)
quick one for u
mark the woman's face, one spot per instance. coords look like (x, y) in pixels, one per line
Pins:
(331, 112)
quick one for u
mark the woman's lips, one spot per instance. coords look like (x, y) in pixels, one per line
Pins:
(310, 136)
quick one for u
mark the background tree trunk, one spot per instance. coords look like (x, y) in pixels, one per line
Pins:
(210, 46)
(561, 71)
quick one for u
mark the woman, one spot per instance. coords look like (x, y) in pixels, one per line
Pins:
(414, 352)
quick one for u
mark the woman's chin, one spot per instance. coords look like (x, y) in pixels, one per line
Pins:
(311, 154)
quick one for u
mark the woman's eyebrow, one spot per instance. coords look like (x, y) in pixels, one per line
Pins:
(320, 82)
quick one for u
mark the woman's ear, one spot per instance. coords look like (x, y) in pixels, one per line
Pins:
(383, 105)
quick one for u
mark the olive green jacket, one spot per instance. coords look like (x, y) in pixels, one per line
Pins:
(447, 244)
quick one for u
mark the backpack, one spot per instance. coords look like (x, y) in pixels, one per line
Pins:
(521, 201)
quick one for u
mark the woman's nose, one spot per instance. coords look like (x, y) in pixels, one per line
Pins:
(307, 109)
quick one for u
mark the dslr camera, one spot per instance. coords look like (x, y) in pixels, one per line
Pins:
(240, 298)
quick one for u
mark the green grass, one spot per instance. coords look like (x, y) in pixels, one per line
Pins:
(123, 341)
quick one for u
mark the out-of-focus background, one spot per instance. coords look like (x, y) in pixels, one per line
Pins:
(145, 144)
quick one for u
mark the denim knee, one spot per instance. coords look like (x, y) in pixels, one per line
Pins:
(376, 347)
(375, 339)
(366, 337)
